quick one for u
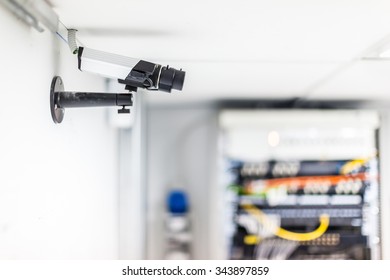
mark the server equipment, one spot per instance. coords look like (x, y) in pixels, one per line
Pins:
(303, 184)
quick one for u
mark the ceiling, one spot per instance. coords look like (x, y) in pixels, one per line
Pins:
(247, 48)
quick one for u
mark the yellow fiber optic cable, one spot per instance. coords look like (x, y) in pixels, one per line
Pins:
(285, 234)
(353, 164)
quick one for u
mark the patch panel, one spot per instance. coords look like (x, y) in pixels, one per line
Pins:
(312, 195)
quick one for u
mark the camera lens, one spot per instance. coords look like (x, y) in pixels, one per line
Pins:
(170, 78)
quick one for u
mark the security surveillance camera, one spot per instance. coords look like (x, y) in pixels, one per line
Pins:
(134, 73)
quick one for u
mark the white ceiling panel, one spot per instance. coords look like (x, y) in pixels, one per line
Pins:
(257, 48)
(226, 29)
(366, 79)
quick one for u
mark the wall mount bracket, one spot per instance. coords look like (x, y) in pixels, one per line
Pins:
(60, 99)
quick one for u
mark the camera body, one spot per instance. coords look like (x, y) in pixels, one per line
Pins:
(134, 73)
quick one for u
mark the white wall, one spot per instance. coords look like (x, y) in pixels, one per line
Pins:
(58, 183)
(384, 156)
(181, 154)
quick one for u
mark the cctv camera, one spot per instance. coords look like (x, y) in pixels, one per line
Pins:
(134, 73)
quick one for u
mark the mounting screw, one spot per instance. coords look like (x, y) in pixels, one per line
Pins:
(124, 110)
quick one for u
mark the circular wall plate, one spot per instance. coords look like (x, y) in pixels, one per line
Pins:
(57, 113)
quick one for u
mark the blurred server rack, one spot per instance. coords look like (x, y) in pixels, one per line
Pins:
(300, 184)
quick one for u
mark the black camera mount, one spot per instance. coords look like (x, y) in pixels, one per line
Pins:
(60, 99)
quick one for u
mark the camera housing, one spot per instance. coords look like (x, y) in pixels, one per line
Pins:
(134, 73)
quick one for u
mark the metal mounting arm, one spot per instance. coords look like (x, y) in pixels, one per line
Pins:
(60, 99)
